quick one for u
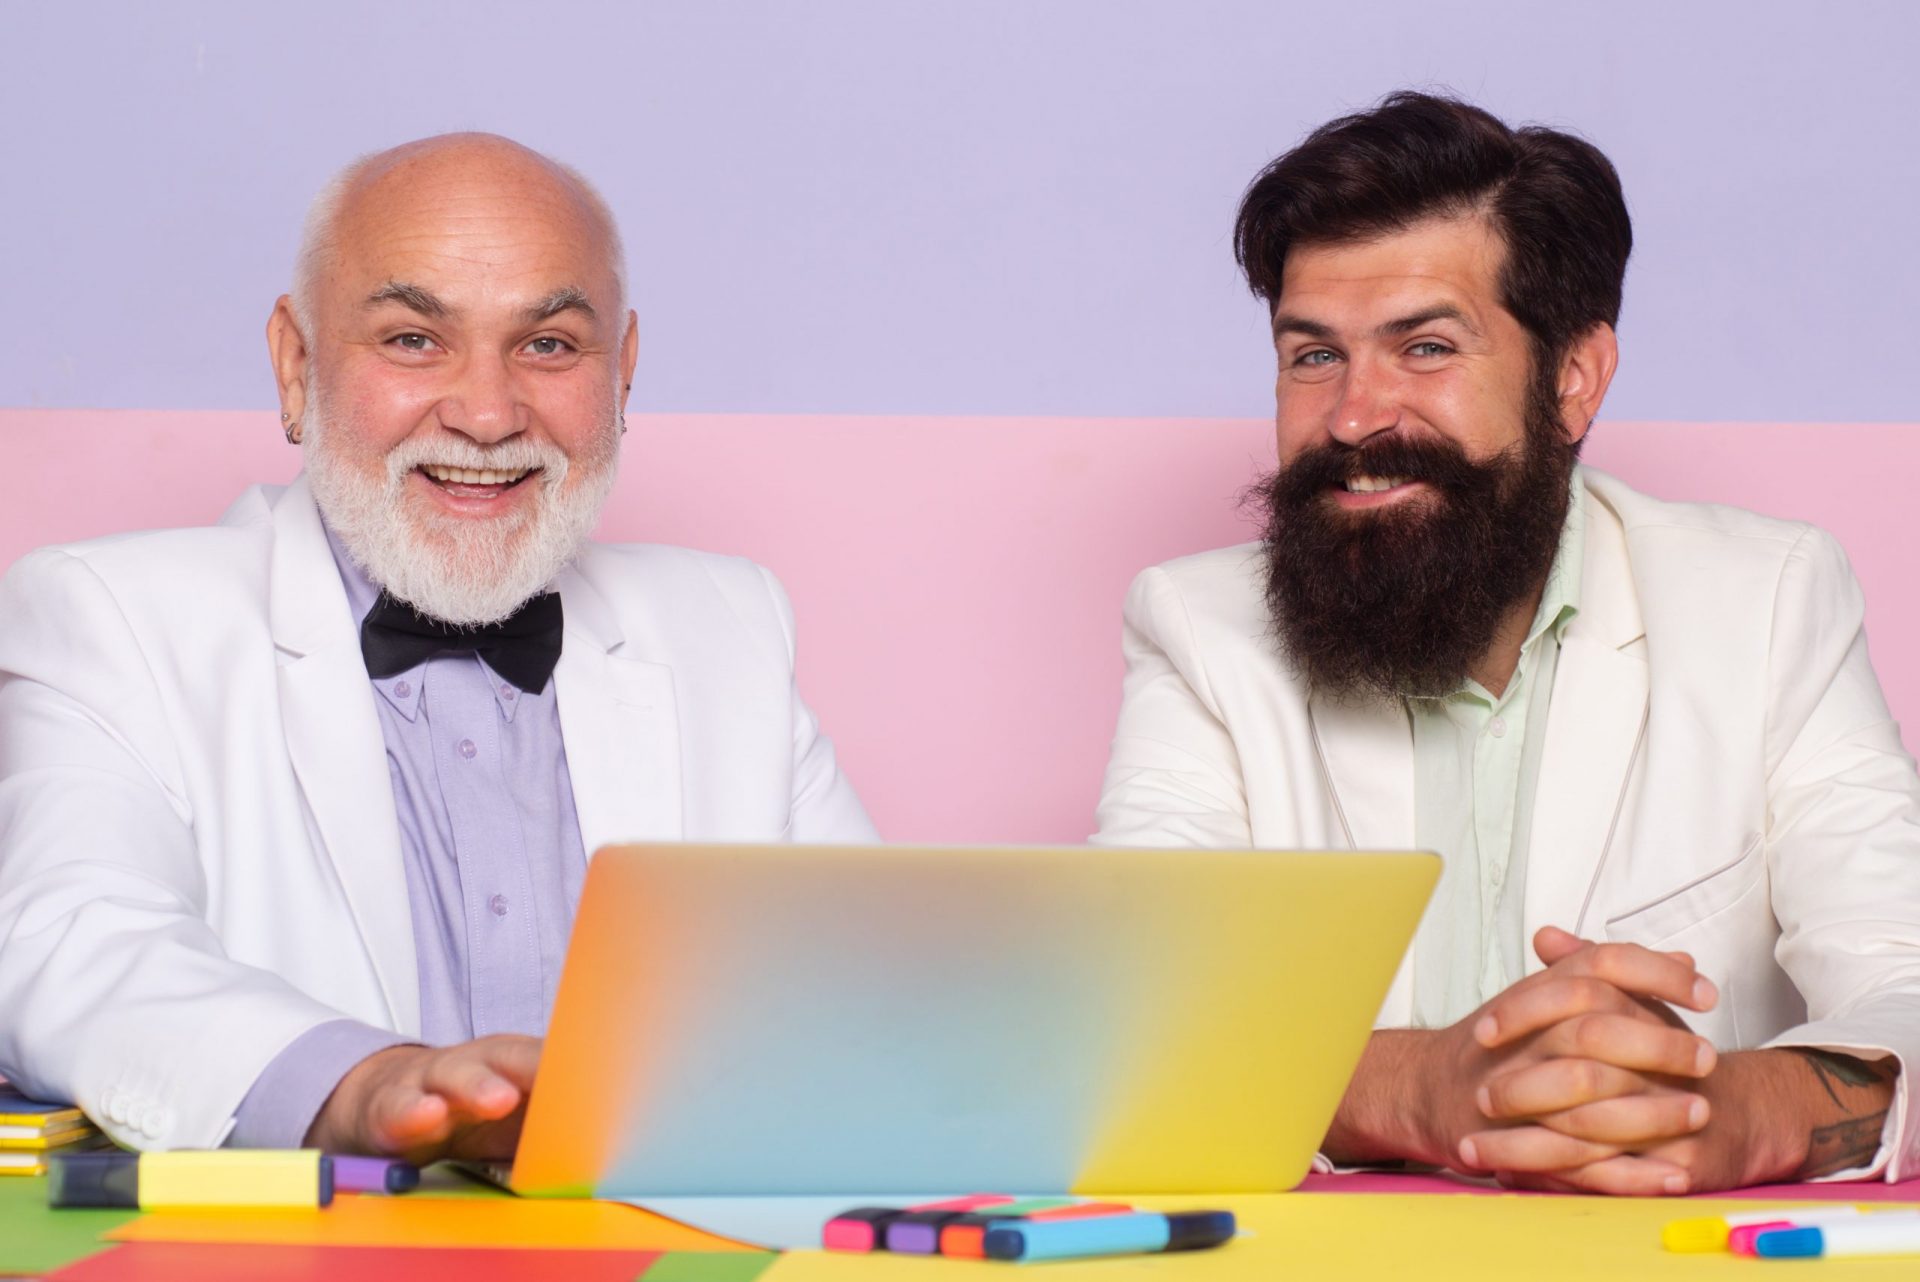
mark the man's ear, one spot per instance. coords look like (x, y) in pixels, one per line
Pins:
(288, 348)
(1585, 372)
(629, 353)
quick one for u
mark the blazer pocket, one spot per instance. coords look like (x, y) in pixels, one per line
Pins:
(1704, 897)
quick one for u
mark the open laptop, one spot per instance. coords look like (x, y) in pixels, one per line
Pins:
(746, 1021)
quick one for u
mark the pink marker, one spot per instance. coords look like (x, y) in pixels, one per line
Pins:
(1740, 1237)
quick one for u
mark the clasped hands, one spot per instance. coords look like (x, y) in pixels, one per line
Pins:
(1582, 1078)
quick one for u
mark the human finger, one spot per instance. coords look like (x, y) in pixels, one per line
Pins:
(1552, 944)
(1625, 1175)
(402, 1118)
(514, 1057)
(1645, 973)
(1635, 1120)
(1529, 1148)
(1522, 1011)
(465, 1078)
(1627, 1041)
(1553, 1086)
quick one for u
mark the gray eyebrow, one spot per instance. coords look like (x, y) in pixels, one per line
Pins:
(407, 295)
(568, 298)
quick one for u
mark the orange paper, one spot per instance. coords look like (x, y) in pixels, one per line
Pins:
(355, 1220)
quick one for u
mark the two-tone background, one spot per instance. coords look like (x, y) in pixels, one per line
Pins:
(938, 312)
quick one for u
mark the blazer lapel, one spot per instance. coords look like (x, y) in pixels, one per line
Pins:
(620, 721)
(334, 741)
(1595, 725)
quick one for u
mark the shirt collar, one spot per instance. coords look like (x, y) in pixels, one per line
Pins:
(403, 690)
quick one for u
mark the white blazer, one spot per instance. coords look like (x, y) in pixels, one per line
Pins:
(1720, 773)
(199, 856)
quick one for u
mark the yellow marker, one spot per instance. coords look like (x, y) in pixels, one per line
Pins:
(215, 1178)
(1708, 1233)
(1717, 1232)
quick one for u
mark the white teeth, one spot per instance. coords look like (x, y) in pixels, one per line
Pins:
(1372, 484)
(470, 475)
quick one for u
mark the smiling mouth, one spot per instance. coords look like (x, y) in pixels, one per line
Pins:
(1373, 484)
(474, 482)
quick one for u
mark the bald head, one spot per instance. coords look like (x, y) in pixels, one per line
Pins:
(446, 185)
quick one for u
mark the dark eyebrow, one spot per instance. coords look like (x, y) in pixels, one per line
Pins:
(1285, 324)
(568, 298)
(409, 296)
(1444, 312)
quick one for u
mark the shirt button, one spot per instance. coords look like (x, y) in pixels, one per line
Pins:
(1497, 727)
(402, 690)
(499, 905)
(507, 691)
(467, 749)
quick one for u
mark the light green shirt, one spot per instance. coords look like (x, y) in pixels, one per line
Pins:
(1476, 757)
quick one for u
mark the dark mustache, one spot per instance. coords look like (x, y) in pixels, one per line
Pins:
(1436, 462)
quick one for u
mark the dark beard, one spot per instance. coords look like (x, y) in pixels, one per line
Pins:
(1404, 600)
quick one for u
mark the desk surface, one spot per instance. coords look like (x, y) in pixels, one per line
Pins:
(1337, 1226)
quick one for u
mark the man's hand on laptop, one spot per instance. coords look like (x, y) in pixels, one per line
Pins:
(425, 1103)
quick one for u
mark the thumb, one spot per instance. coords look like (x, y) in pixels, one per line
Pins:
(1553, 944)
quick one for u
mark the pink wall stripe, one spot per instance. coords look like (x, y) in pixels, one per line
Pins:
(958, 580)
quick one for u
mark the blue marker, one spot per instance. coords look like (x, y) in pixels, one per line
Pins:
(1108, 1235)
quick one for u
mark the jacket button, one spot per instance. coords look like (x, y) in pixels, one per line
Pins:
(116, 1106)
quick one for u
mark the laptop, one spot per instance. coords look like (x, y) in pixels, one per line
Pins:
(861, 1021)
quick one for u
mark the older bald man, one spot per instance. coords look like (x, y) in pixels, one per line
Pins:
(294, 810)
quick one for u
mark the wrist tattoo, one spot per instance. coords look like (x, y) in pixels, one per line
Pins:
(1853, 1142)
(1856, 1089)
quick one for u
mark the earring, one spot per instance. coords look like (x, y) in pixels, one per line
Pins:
(291, 428)
(623, 425)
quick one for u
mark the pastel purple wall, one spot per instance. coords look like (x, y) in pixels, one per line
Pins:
(951, 206)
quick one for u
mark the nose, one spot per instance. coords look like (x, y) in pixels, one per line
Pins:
(1366, 406)
(484, 403)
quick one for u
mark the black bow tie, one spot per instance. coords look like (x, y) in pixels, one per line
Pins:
(523, 647)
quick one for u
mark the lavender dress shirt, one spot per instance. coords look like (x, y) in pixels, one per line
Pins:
(494, 862)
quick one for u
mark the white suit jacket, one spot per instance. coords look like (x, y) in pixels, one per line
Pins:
(199, 856)
(1720, 773)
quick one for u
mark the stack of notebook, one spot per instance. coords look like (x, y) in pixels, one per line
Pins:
(29, 1130)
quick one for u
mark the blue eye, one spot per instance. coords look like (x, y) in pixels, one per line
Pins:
(1312, 358)
(1429, 348)
(412, 342)
(549, 346)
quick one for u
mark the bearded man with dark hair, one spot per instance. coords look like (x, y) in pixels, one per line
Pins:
(1676, 942)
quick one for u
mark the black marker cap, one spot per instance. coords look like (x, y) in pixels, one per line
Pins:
(1197, 1230)
(94, 1179)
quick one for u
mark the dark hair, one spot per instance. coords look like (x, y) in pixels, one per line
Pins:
(1554, 199)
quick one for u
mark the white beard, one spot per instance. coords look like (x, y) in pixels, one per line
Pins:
(460, 571)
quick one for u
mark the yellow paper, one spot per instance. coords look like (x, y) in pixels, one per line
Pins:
(1351, 1237)
(230, 1177)
(356, 1220)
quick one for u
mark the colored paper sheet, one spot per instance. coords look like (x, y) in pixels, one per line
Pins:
(710, 1266)
(358, 1220)
(1432, 1237)
(36, 1239)
(213, 1262)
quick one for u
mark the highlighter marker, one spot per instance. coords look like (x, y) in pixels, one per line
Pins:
(216, 1178)
(1888, 1233)
(1108, 1235)
(373, 1175)
(965, 1238)
(1717, 1232)
(864, 1228)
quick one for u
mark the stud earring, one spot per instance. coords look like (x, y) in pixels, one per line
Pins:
(291, 428)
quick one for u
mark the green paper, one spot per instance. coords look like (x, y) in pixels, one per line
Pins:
(35, 1238)
(709, 1266)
